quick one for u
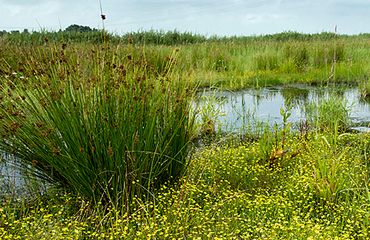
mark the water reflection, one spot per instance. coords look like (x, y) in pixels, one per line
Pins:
(295, 95)
(15, 182)
(243, 109)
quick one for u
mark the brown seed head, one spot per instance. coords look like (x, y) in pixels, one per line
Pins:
(56, 151)
(110, 151)
(14, 126)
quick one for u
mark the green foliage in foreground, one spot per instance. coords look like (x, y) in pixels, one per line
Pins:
(316, 190)
(107, 133)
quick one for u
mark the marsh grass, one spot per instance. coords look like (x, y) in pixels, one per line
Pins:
(229, 63)
(266, 61)
(208, 107)
(112, 123)
(328, 115)
(111, 138)
(364, 88)
(319, 191)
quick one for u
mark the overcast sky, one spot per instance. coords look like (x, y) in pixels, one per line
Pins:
(207, 17)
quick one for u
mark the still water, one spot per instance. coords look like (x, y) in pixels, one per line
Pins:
(236, 111)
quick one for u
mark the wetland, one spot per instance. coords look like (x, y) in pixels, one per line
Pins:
(110, 125)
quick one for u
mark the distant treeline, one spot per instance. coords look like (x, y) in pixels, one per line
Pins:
(78, 33)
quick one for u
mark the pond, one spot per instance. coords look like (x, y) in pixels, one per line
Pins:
(236, 112)
(241, 110)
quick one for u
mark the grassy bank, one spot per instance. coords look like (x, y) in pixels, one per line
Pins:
(232, 63)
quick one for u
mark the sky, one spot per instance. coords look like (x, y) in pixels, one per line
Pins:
(206, 17)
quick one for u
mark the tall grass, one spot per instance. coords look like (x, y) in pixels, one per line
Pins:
(328, 115)
(231, 63)
(318, 191)
(113, 129)
(364, 88)
(112, 123)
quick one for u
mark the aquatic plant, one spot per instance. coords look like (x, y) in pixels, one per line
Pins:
(364, 88)
(110, 136)
(328, 115)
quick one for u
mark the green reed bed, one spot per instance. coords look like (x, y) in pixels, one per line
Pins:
(109, 126)
(239, 62)
(236, 65)
(42, 37)
(328, 115)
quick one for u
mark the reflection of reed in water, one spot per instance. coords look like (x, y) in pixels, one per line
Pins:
(10, 176)
(297, 96)
(247, 110)
(16, 181)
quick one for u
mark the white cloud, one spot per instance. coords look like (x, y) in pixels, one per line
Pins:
(200, 16)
